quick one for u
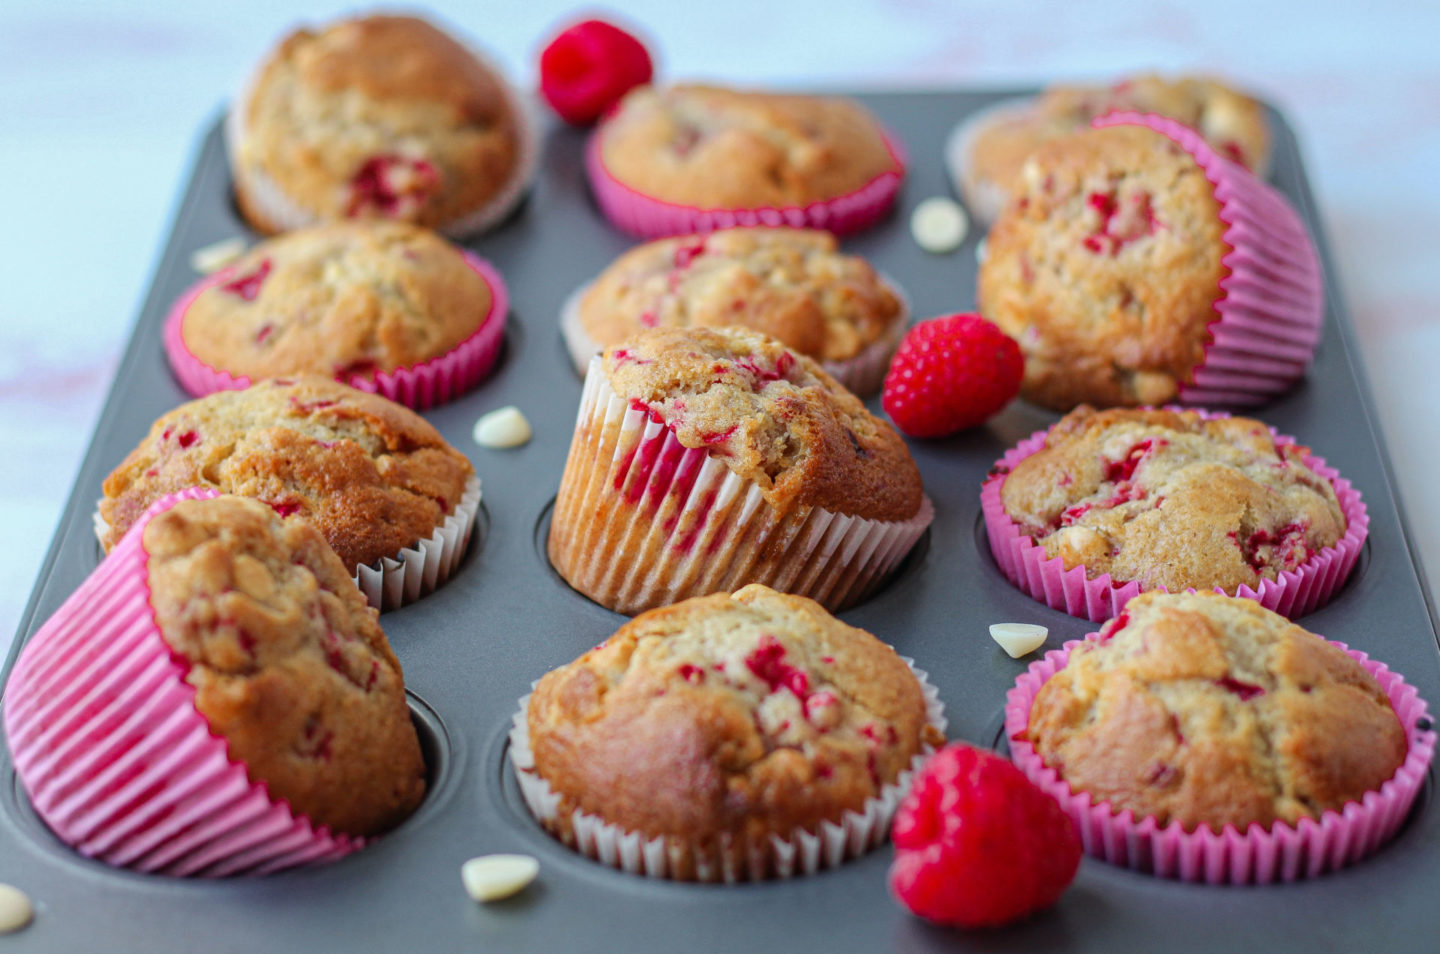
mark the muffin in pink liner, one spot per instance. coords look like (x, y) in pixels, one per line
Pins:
(694, 159)
(379, 117)
(215, 699)
(1357, 746)
(706, 459)
(1250, 512)
(1135, 267)
(736, 737)
(387, 308)
(792, 284)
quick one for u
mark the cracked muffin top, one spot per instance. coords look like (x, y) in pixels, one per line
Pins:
(774, 417)
(350, 298)
(376, 117)
(288, 663)
(741, 714)
(1105, 266)
(1211, 710)
(725, 149)
(1171, 499)
(792, 284)
(371, 476)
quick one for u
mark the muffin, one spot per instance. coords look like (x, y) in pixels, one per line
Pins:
(695, 158)
(1106, 504)
(378, 117)
(1136, 266)
(1196, 713)
(706, 459)
(392, 498)
(216, 698)
(792, 284)
(735, 737)
(383, 306)
(986, 152)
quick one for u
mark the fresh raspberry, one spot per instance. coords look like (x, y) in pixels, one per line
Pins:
(977, 844)
(587, 68)
(951, 373)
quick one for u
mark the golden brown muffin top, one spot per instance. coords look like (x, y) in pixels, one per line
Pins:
(370, 475)
(1171, 499)
(743, 714)
(726, 149)
(791, 284)
(343, 299)
(381, 116)
(289, 664)
(1206, 709)
(1105, 267)
(774, 417)
(1232, 123)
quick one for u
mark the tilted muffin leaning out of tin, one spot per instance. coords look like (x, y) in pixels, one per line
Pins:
(216, 698)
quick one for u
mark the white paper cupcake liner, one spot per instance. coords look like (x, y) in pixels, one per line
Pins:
(669, 856)
(413, 572)
(650, 522)
(284, 214)
(861, 375)
(985, 197)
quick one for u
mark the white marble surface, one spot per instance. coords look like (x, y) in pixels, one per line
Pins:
(101, 103)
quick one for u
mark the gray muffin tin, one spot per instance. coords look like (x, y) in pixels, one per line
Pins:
(473, 648)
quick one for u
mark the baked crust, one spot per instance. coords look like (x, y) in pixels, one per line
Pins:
(1206, 709)
(289, 664)
(717, 148)
(338, 299)
(1105, 266)
(728, 715)
(370, 475)
(774, 417)
(1171, 499)
(387, 89)
(791, 284)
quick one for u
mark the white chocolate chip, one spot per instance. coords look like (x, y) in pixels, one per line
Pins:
(16, 910)
(939, 225)
(980, 251)
(506, 427)
(492, 877)
(216, 256)
(1017, 639)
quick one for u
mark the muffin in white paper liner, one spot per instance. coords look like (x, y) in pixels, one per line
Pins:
(416, 570)
(863, 374)
(985, 197)
(687, 525)
(803, 853)
(285, 214)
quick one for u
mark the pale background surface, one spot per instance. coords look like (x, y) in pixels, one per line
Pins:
(101, 104)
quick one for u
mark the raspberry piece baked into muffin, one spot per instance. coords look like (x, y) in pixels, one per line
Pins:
(373, 477)
(215, 698)
(1135, 266)
(693, 158)
(791, 284)
(384, 306)
(378, 117)
(739, 736)
(706, 459)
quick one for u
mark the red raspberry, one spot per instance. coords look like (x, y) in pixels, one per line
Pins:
(951, 373)
(587, 68)
(977, 844)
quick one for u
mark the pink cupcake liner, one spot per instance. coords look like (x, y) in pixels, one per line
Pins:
(1285, 853)
(639, 214)
(690, 526)
(1292, 593)
(115, 758)
(861, 375)
(419, 386)
(1272, 304)
(803, 853)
